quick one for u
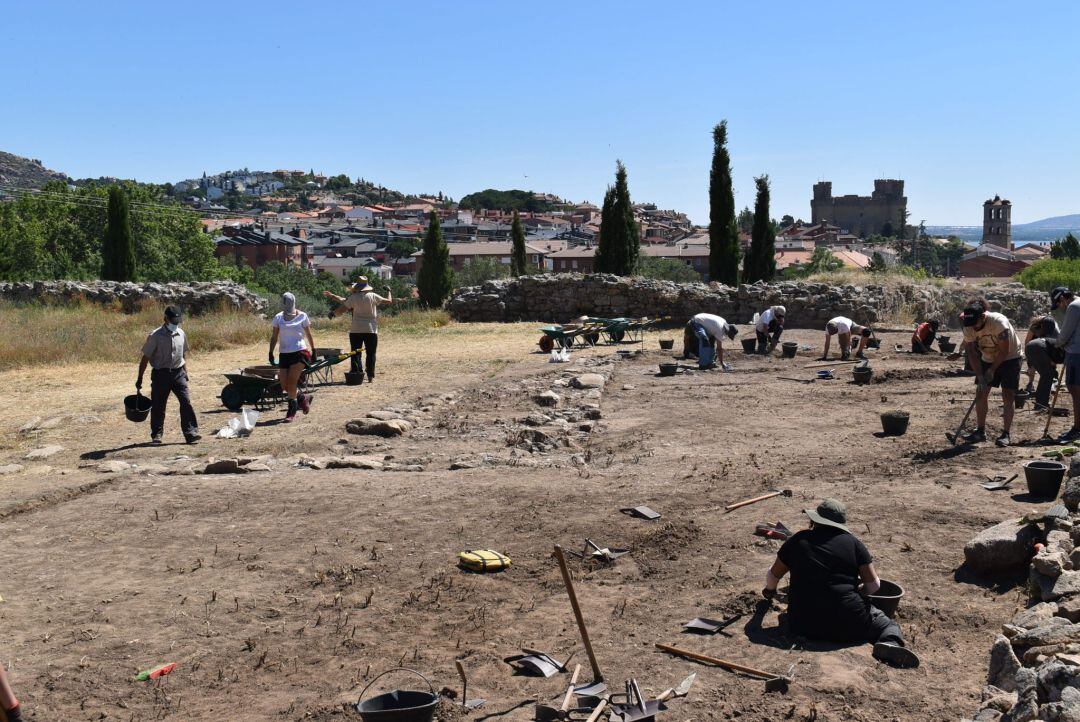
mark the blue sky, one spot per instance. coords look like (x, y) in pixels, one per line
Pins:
(960, 99)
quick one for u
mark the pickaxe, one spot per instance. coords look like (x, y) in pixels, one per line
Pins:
(756, 499)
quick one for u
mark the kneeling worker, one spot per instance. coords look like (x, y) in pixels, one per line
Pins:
(924, 336)
(844, 328)
(702, 333)
(770, 323)
(827, 564)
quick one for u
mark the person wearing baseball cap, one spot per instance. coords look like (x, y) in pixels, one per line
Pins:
(703, 338)
(165, 351)
(993, 353)
(831, 572)
(1041, 350)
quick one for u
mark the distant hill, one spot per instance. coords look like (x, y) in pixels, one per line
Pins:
(510, 200)
(1041, 231)
(1061, 223)
(25, 172)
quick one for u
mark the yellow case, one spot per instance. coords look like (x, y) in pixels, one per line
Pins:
(483, 560)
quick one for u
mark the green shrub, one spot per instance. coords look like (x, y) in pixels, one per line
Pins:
(1049, 272)
(666, 269)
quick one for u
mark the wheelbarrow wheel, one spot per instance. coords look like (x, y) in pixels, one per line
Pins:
(566, 341)
(592, 338)
(618, 335)
(546, 344)
(231, 397)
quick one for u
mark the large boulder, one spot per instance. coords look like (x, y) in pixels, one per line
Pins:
(1003, 546)
(378, 427)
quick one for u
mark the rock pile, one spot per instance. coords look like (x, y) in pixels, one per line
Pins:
(1034, 671)
(561, 297)
(194, 298)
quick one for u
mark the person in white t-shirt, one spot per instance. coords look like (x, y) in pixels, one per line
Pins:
(292, 330)
(702, 338)
(844, 328)
(770, 323)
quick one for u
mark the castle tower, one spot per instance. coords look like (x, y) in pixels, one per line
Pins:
(997, 222)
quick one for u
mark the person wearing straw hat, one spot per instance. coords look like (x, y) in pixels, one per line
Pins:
(364, 304)
(165, 351)
(770, 323)
(292, 333)
(831, 572)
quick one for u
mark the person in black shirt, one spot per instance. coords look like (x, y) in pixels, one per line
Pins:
(827, 564)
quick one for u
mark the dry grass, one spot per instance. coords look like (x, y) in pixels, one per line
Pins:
(863, 278)
(37, 335)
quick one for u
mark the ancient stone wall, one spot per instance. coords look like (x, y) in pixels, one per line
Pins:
(562, 297)
(193, 298)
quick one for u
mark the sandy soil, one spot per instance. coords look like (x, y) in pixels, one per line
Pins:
(281, 594)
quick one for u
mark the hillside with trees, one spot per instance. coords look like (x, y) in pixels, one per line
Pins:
(512, 200)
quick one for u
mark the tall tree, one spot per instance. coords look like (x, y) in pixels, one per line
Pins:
(723, 232)
(760, 264)
(435, 278)
(619, 246)
(118, 250)
(518, 260)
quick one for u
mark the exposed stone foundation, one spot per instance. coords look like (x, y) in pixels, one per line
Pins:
(194, 298)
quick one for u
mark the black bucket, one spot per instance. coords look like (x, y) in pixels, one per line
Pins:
(666, 344)
(862, 374)
(136, 407)
(788, 349)
(943, 339)
(668, 369)
(399, 705)
(749, 345)
(873, 343)
(1044, 478)
(887, 598)
(354, 378)
(946, 346)
(1020, 398)
(894, 423)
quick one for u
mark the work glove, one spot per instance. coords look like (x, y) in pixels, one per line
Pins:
(768, 594)
(138, 384)
(272, 359)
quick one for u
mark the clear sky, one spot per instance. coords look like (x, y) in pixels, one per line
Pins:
(960, 99)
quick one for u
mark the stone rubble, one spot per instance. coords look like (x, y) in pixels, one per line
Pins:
(194, 298)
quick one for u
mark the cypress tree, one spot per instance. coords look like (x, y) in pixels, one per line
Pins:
(618, 249)
(760, 264)
(518, 260)
(435, 278)
(723, 230)
(118, 249)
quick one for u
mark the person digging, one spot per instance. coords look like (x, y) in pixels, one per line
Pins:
(831, 575)
(1041, 349)
(993, 352)
(1069, 341)
(924, 336)
(165, 351)
(768, 328)
(844, 328)
(702, 339)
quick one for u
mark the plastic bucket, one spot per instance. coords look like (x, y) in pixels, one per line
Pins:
(894, 423)
(668, 369)
(1020, 398)
(667, 344)
(947, 346)
(399, 705)
(887, 598)
(788, 349)
(862, 375)
(749, 345)
(136, 407)
(354, 378)
(1044, 478)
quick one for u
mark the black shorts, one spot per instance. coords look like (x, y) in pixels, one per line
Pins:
(1007, 376)
(288, 360)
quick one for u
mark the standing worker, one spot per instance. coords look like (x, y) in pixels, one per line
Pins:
(292, 329)
(364, 304)
(1069, 340)
(924, 336)
(826, 601)
(993, 352)
(702, 338)
(769, 323)
(844, 328)
(166, 351)
(1040, 347)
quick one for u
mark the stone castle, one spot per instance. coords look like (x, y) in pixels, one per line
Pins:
(880, 212)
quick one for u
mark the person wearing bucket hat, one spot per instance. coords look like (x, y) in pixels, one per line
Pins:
(165, 351)
(292, 329)
(364, 304)
(769, 323)
(993, 352)
(844, 328)
(831, 570)
(703, 339)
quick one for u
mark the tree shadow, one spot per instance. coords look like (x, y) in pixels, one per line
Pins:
(996, 582)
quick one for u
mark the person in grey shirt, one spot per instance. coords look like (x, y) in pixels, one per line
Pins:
(1069, 340)
(1040, 347)
(165, 351)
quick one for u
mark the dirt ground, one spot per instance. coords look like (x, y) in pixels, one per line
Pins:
(281, 594)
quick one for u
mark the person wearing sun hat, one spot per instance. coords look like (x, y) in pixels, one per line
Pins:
(364, 304)
(826, 601)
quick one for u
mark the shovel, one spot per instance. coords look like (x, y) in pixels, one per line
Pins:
(547, 713)
(681, 691)
(956, 435)
(998, 483)
(465, 701)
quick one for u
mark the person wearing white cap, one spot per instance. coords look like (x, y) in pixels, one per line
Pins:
(770, 323)
(831, 572)
(703, 338)
(293, 329)
(364, 304)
